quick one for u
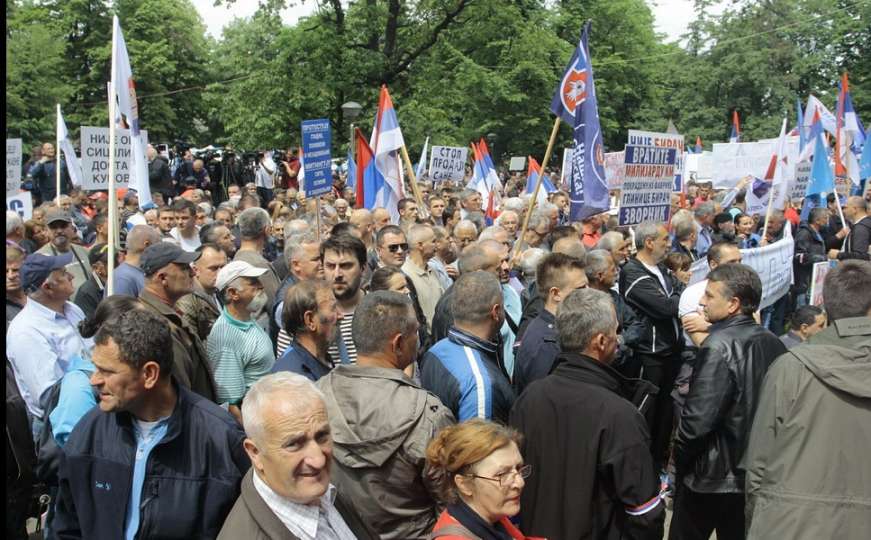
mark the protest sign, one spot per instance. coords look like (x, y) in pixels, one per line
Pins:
(798, 187)
(566, 170)
(647, 183)
(663, 140)
(22, 203)
(818, 277)
(517, 163)
(13, 166)
(316, 141)
(843, 185)
(448, 163)
(614, 168)
(95, 157)
(734, 161)
(697, 167)
(773, 263)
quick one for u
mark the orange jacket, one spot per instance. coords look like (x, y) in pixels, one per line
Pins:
(445, 519)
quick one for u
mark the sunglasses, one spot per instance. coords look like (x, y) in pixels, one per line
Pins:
(393, 248)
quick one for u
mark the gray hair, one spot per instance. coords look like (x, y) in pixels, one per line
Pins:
(647, 230)
(379, 317)
(465, 224)
(416, 233)
(537, 219)
(704, 209)
(610, 240)
(570, 245)
(293, 245)
(439, 232)
(490, 232)
(583, 315)
(530, 259)
(13, 221)
(252, 221)
(296, 391)
(474, 294)
(515, 204)
(205, 207)
(683, 225)
(295, 226)
(598, 260)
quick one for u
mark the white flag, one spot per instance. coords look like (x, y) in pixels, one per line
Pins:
(74, 166)
(124, 90)
(421, 165)
(778, 181)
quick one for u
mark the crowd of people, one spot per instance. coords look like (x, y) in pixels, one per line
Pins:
(275, 366)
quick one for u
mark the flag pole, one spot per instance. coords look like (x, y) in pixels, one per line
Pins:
(57, 157)
(554, 132)
(412, 179)
(113, 202)
(773, 176)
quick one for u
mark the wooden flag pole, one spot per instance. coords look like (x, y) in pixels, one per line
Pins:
(554, 132)
(413, 180)
(57, 158)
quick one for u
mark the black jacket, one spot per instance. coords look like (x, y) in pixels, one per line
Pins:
(536, 351)
(856, 243)
(588, 445)
(718, 412)
(159, 177)
(89, 296)
(191, 480)
(810, 248)
(657, 308)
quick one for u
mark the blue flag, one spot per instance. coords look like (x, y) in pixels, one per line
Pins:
(865, 161)
(822, 180)
(351, 181)
(575, 99)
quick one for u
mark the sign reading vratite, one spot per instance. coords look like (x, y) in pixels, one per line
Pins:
(95, 157)
(316, 140)
(662, 140)
(447, 163)
(13, 166)
(647, 183)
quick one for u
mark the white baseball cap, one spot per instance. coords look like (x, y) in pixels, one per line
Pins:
(236, 269)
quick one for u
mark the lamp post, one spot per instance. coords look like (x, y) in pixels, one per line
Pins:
(491, 140)
(351, 110)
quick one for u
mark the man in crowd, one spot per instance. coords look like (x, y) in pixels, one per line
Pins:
(465, 233)
(685, 235)
(617, 245)
(436, 209)
(594, 476)
(344, 258)
(91, 293)
(422, 248)
(169, 277)
(240, 352)
(310, 315)
(695, 327)
(857, 242)
(591, 231)
(442, 261)
(537, 231)
(186, 233)
(704, 213)
(717, 414)
(63, 240)
(201, 307)
(806, 321)
(391, 246)
(44, 335)
(380, 218)
(219, 235)
(303, 255)
(254, 230)
(362, 219)
(159, 177)
(465, 369)
(287, 492)
(113, 471)
(509, 221)
(810, 248)
(651, 292)
(408, 213)
(15, 296)
(470, 202)
(373, 398)
(813, 399)
(557, 276)
(166, 221)
(45, 177)
(128, 277)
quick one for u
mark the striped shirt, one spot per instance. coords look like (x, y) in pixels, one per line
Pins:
(240, 353)
(345, 336)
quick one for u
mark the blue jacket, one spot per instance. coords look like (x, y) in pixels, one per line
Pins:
(76, 399)
(297, 359)
(536, 352)
(467, 375)
(192, 476)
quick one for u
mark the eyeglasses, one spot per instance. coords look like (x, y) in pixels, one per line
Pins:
(393, 248)
(507, 477)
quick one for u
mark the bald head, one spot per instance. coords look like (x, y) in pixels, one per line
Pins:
(140, 237)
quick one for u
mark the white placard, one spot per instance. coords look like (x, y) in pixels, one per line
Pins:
(21, 203)
(566, 167)
(517, 163)
(95, 157)
(614, 169)
(447, 163)
(734, 161)
(798, 187)
(637, 137)
(13, 166)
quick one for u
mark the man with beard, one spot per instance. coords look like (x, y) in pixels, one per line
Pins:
(310, 314)
(343, 258)
(63, 233)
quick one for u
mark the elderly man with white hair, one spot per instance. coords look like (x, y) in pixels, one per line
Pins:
(287, 492)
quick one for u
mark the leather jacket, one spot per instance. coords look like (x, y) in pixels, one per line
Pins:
(723, 395)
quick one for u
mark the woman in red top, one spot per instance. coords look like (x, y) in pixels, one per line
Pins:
(479, 473)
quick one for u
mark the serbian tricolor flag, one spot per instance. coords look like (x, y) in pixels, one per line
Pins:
(735, 135)
(533, 171)
(369, 184)
(386, 141)
(698, 148)
(483, 182)
(849, 135)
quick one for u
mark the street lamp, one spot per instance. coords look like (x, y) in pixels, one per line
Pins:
(351, 110)
(491, 140)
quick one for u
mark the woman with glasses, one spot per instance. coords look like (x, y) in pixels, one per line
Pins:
(479, 473)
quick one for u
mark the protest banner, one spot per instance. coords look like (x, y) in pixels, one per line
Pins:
(647, 183)
(95, 157)
(316, 144)
(517, 163)
(798, 187)
(818, 277)
(614, 168)
(698, 167)
(448, 163)
(566, 168)
(663, 140)
(22, 203)
(13, 166)
(734, 161)
(773, 263)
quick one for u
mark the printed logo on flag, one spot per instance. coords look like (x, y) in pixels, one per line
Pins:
(574, 87)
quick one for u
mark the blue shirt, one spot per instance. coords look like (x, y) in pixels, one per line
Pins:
(148, 434)
(129, 280)
(297, 359)
(40, 345)
(76, 399)
(704, 241)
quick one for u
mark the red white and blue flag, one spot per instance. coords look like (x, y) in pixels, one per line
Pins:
(533, 171)
(369, 181)
(735, 135)
(849, 136)
(485, 181)
(698, 148)
(386, 141)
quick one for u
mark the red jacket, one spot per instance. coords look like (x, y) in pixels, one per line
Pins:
(448, 520)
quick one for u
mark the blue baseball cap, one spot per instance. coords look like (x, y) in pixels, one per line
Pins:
(37, 267)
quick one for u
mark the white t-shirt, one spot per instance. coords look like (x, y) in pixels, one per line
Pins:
(655, 270)
(187, 244)
(689, 304)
